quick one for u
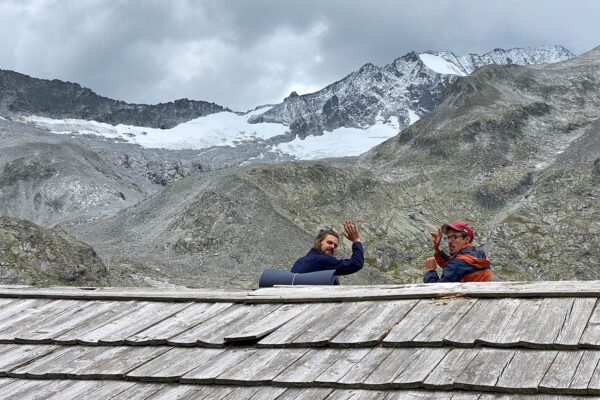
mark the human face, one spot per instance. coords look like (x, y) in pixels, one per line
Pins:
(456, 241)
(328, 245)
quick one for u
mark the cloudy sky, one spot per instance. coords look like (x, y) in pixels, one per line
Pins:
(243, 53)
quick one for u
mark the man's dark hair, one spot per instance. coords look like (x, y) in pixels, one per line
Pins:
(321, 235)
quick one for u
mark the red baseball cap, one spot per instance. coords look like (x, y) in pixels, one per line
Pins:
(458, 226)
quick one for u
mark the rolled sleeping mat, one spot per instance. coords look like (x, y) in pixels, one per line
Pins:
(271, 277)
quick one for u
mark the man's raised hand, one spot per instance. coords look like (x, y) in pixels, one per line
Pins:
(351, 232)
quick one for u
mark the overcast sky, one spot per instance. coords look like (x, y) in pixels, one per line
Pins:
(243, 53)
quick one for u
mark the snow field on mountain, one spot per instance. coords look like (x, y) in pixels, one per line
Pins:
(220, 129)
(439, 65)
(341, 142)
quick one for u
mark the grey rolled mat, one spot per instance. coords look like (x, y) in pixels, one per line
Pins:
(271, 277)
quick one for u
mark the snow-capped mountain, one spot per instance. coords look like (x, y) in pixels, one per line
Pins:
(346, 118)
(406, 89)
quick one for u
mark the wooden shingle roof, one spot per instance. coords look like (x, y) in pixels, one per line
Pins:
(443, 341)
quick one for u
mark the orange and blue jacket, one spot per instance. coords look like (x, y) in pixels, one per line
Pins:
(468, 265)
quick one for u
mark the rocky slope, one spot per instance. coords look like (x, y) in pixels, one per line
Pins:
(23, 95)
(30, 255)
(412, 84)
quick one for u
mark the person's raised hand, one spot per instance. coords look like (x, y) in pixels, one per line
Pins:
(436, 239)
(430, 264)
(351, 231)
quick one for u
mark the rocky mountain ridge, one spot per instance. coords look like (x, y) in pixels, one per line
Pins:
(403, 90)
(23, 95)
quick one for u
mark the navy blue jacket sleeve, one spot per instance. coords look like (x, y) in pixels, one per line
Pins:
(347, 266)
(454, 271)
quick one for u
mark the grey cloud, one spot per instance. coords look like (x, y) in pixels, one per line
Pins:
(242, 53)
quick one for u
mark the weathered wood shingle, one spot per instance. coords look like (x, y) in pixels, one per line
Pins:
(455, 341)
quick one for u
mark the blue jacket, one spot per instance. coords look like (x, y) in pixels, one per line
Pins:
(468, 265)
(317, 261)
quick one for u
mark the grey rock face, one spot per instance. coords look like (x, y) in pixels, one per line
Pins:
(374, 93)
(23, 95)
(30, 255)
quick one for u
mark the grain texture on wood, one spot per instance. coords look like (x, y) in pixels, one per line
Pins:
(484, 370)
(193, 315)
(544, 327)
(312, 364)
(526, 370)
(585, 370)
(485, 318)
(139, 391)
(212, 332)
(262, 366)
(206, 372)
(22, 355)
(365, 367)
(298, 325)
(417, 370)
(561, 371)
(414, 322)
(591, 333)
(268, 324)
(450, 367)
(330, 325)
(510, 327)
(348, 359)
(374, 324)
(393, 365)
(435, 332)
(575, 322)
(173, 364)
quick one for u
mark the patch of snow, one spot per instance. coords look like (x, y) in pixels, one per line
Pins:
(412, 116)
(220, 129)
(439, 65)
(341, 142)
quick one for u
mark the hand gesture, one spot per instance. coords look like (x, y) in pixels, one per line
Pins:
(430, 264)
(351, 232)
(436, 239)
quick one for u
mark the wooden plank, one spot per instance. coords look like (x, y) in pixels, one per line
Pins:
(347, 359)
(591, 333)
(268, 393)
(41, 367)
(330, 325)
(312, 364)
(394, 364)
(435, 332)
(413, 323)
(261, 367)
(112, 314)
(418, 369)
(526, 370)
(16, 306)
(268, 324)
(298, 325)
(117, 330)
(483, 372)
(181, 392)
(305, 394)
(585, 370)
(26, 314)
(173, 364)
(44, 333)
(576, 322)
(307, 294)
(213, 331)
(544, 327)
(31, 318)
(139, 391)
(218, 393)
(23, 354)
(206, 372)
(418, 395)
(374, 324)
(509, 329)
(108, 362)
(594, 383)
(240, 393)
(562, 370)
(34, 389)
(450, 367)
(175, 325)
(486, 315)
(92, 390)
(365, 367)
(356, 394)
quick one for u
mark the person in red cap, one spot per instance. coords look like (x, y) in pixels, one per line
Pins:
(464, 264)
